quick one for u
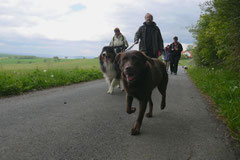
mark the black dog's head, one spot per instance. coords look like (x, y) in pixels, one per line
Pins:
(107, 55)
(133, 64)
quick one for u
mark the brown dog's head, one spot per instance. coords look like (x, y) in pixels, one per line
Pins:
(132, 64)
(107, 55)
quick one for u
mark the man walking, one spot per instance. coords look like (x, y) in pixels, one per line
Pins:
(151, 41)
(175, 55)
(119, 41)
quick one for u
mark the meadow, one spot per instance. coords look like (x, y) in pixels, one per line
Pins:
(18, 75)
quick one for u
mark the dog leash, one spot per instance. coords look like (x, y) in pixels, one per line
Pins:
(130, 47)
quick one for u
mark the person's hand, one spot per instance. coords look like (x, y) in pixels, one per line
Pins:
(136, 42)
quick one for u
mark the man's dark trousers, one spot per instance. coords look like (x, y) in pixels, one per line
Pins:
(174, 63)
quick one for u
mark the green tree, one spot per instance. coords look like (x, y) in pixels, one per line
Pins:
(217, 34)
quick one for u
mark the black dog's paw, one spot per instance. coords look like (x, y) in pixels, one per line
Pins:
(148, 115)
(135, 131)
(162, 107)
(133, 109)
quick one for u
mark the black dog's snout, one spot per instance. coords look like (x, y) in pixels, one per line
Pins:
(129, 69)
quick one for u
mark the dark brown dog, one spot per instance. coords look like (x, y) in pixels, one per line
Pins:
(140, 75)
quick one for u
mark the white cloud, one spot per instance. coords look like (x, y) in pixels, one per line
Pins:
(56, 20)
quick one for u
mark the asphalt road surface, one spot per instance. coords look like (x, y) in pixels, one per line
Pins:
(83, 122)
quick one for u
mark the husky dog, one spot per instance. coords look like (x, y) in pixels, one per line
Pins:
(110, 69)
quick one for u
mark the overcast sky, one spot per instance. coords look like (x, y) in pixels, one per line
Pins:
(83, 27)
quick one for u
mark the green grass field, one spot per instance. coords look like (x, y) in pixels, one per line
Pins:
(22, 75)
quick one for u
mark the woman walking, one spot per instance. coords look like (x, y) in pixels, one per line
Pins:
(166, 57)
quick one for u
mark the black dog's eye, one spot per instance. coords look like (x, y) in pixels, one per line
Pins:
(124, 58)
(134, 58)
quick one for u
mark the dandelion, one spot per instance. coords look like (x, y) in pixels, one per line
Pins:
(234, 88)
(44, 70)
(52, 75)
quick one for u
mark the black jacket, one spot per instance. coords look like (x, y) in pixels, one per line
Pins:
(176, 53)
(156, 41)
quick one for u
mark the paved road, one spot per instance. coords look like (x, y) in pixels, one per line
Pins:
(94, 125)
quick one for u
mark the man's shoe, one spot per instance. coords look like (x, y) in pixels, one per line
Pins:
(175, 73)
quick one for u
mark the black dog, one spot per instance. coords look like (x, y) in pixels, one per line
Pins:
(110, 70)
(140, 75)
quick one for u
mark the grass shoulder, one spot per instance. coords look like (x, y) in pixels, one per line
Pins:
(223, 86)
(17, 78)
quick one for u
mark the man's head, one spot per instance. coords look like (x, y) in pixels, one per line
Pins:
(117, 31)
(148, 18)
(175, 39)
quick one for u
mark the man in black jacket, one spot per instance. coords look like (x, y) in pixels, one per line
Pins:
(151, 41)
(175, 55)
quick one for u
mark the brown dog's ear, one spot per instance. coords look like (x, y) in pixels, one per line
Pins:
(147, 58)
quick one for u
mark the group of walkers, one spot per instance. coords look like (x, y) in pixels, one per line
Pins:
(151, 43)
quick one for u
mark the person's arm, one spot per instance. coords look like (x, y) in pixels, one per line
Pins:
(181, 48)
(112, 43)
(125, 41)
(160, 41)
(137, 35)
(170, 48)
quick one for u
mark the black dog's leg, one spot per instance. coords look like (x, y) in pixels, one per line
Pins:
(136, 129)
(162, 90)
(149, 114)
(129, 107)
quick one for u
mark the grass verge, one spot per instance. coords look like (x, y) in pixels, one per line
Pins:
(223, 86)
(16, 82)
(16, 78)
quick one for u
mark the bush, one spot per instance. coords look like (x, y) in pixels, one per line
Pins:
(217, 34)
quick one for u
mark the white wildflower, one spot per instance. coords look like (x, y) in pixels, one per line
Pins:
(44, 70)
(212, 68)
(52, 75)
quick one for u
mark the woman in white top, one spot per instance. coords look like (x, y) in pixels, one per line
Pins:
(119, 41)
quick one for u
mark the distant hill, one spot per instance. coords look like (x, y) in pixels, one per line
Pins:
(26, 56)
(6, 55)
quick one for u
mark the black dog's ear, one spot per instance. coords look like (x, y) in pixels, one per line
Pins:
(118, 58)
(147, 58)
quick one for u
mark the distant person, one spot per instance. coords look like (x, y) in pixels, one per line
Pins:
(119, 41)
(175, 55)
(166, 57)
(151, 41)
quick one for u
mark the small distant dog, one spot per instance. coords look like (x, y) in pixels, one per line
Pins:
(185, 67)
(140, 75)
(110, 69)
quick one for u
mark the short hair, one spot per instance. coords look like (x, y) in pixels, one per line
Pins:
(150, 15)
(117, 30)
(175, 37)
